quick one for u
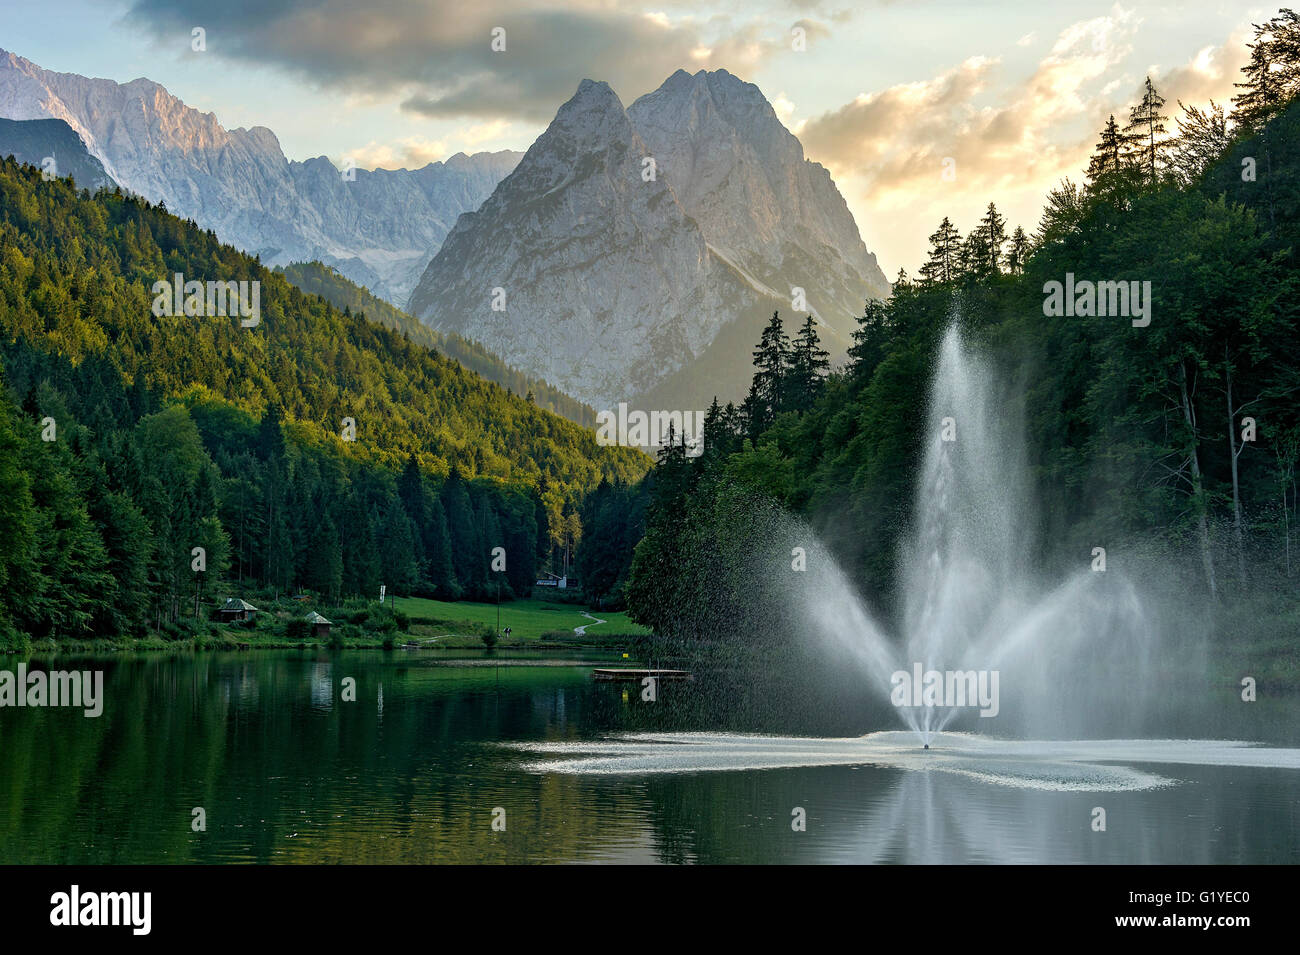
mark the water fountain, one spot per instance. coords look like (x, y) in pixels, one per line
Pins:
(1073, 656)
(971, 598)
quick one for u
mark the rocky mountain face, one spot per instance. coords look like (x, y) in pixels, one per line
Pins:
(54, 146)
(742, 176)
(378, 228)
(634, 254)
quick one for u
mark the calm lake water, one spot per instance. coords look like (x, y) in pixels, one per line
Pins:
(413, 771)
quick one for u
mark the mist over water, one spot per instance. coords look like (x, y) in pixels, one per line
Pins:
(971, 597)
(1075, 653)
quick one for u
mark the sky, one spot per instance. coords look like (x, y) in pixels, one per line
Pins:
(920, 110)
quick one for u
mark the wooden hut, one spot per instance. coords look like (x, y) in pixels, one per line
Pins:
(236, 609)
(319, 625)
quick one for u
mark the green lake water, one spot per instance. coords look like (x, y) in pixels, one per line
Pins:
(418, 767)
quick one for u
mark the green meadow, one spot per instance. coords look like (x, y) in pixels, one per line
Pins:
(528, 619)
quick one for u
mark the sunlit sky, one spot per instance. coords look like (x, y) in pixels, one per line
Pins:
(1013, 92)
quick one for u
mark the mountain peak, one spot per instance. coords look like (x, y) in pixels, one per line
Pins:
(617, 281)
(591, 96)
(591, 120)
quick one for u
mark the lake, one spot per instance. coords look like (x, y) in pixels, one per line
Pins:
(433, 751)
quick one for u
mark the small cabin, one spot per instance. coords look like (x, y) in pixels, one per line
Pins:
(236, 609)
(320, 627)
(553, 580)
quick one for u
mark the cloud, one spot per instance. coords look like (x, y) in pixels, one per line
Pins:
(999, 134)
(1008, 140)
(1210, 75)
(482, 132)
(785, 111)
(437, 56)
(409, 153)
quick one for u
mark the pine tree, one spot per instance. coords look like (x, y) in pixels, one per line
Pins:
(1272, 74)
(324, 565)
(944, 263)
(993, 228)
(361, 568)
(397, 549)
(1017, 252)
(771, 358)
(1146, 125)
(441, 571)
(869, 339)
(808, 365)
(466, 539)
(1108, 155)
(270, 436)
(976, 253)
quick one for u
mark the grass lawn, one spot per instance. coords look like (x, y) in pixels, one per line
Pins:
(528, 619)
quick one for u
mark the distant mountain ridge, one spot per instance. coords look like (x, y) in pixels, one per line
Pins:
(625, 243)
(55, 147)
(379, 229)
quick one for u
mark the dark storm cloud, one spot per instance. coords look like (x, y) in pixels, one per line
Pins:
(438, 53)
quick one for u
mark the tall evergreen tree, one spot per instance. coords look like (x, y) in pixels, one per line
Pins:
(1108, 156)
(397, 550)
(1017, 252)
(1272, 73)
(771, 358)
(441, 569)
(808, 365)
(993, 228)
(324, 570)
(944, 262)
(1146, 126)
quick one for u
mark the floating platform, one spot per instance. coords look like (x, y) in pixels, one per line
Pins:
(628, 673)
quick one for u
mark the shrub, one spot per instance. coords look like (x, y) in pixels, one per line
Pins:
(11, 641)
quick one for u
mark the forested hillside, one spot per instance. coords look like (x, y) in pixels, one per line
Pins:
(341, 293)
(312, 449)
(1177, 440)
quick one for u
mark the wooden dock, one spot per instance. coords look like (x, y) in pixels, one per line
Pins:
(637, 675)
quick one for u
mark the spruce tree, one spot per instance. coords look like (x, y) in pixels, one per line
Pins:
(1108, 155)
(944, 262)
(1017, 252)
(1145, 127)
(809, 363)
(1272, 74)
(993, 228)
(771, 358)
